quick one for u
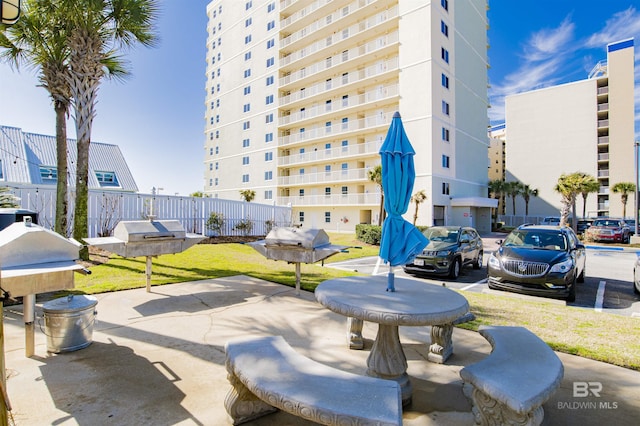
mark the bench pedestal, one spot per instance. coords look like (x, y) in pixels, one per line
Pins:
(242, 405)
(488, 411)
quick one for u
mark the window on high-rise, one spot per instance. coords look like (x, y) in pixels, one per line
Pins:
(270, 62)
(245, 160)
(445, 188)
(247, 90)
(301, 217)
(445, 134)
(445, 161)
(271, 7)
(246, 107)
(247, 22)
(444, 29)
(246, 142)
(247, 73)
(327, 191)
(445, 107)
(271, 25)
(245, 178)
(268, 137)
(247, 39)
(327, 217)
(444, 4)
(268, 175)
(269, 80)
(268, 194)
(269, 99)
(271, 43)
(247, 56)
(345, 190)
(445, 81)
(268, 156)
(444, 53)
(248, 5)
(269, 118)
(246, 125)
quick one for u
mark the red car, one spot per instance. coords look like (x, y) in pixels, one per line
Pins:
(613, 230)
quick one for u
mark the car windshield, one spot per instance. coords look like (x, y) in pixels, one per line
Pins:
(536, 239)
(442, 234)
(605, 222)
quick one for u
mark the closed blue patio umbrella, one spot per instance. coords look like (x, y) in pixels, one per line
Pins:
(401, 241)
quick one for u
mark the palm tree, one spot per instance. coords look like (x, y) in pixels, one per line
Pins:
(248, 195)
(38, 40)
(375, 175)
(96, 31)
(588, 185)
(418, 198)
(624, 188)
(513, 189)
(569, 186)
(496, 188)
(527, 192)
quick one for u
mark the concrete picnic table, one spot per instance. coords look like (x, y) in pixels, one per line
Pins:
(412, 304)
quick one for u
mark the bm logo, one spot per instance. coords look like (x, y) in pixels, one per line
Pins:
(585, 389)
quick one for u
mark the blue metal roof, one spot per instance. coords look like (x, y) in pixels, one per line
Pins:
(22, 155)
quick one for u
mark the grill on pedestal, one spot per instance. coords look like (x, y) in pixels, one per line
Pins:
(296, 245)
(36, 260)
(147, 238)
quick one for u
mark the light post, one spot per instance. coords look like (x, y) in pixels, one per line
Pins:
(635, 213)
(9, 11)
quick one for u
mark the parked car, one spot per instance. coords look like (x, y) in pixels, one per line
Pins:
(636, 276)
(611, 230)
(539, 260)
(449, 249)
(583, 225)
(631, 223)
(551, 220)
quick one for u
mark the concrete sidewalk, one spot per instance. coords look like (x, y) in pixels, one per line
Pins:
(158, 359)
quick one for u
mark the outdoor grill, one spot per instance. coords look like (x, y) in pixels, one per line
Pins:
(35, 260)
(147, 238)
(295, 245)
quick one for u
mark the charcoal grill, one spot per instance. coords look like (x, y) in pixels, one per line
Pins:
(36, 260)
(147, 238)
(296, 245)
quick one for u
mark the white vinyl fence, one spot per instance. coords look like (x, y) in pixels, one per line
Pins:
(107, 208)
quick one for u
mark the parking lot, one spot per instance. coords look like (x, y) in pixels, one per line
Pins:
(608, 285)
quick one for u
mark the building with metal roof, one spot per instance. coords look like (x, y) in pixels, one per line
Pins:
(30, 159)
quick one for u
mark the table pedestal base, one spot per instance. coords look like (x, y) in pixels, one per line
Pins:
(387, 360)
(354, 333)
(441, 343)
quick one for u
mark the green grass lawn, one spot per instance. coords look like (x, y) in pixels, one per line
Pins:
(604, 337)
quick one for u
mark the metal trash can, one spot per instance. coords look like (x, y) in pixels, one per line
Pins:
(68, 322)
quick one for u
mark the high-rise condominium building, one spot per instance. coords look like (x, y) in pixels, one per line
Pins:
(585, 126)
(300, 95)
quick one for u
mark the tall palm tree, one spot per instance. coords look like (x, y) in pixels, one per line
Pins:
(418, 198)
(38, 40)
(513, 189)
(375, 175)
(97, 31)
(624, 188)
(496, 188)
(527, 192)
(569, 187)
(588, 185)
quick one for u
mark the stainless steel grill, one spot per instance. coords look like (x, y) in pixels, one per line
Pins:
(521, 268)
(147, 238)
(36, 260)
(295, 245)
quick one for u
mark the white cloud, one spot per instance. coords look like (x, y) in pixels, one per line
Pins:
(621, 26)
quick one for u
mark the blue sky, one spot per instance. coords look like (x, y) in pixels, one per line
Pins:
(156, 117)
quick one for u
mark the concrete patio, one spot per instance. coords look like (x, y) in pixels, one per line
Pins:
(157, 359)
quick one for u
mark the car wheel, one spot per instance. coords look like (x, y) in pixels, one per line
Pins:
(477, 264)
(627, 239)
(636, 284)
(454, 272)
(581, 276)
(572, 293)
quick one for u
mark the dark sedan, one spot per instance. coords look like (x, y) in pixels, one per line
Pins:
(540, 261)
(449, 249)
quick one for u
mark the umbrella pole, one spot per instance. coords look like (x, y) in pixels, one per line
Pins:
(297, 278)
(148, 273)
(390, 280)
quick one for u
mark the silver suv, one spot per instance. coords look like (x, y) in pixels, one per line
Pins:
(551, 220)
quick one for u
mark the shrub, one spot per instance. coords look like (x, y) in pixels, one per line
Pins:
(244, 226)
(369, 234)
(215, 223)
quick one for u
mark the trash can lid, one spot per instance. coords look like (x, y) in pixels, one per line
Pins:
(70, 303)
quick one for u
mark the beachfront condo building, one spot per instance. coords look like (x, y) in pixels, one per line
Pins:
(300, 95)
(585, 126)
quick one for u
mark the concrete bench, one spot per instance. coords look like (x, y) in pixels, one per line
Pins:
(510, 385)
(266, 374)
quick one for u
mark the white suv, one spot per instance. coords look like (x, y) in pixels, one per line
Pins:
(551, 220)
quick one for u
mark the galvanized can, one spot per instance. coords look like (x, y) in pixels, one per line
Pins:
(68, 322)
